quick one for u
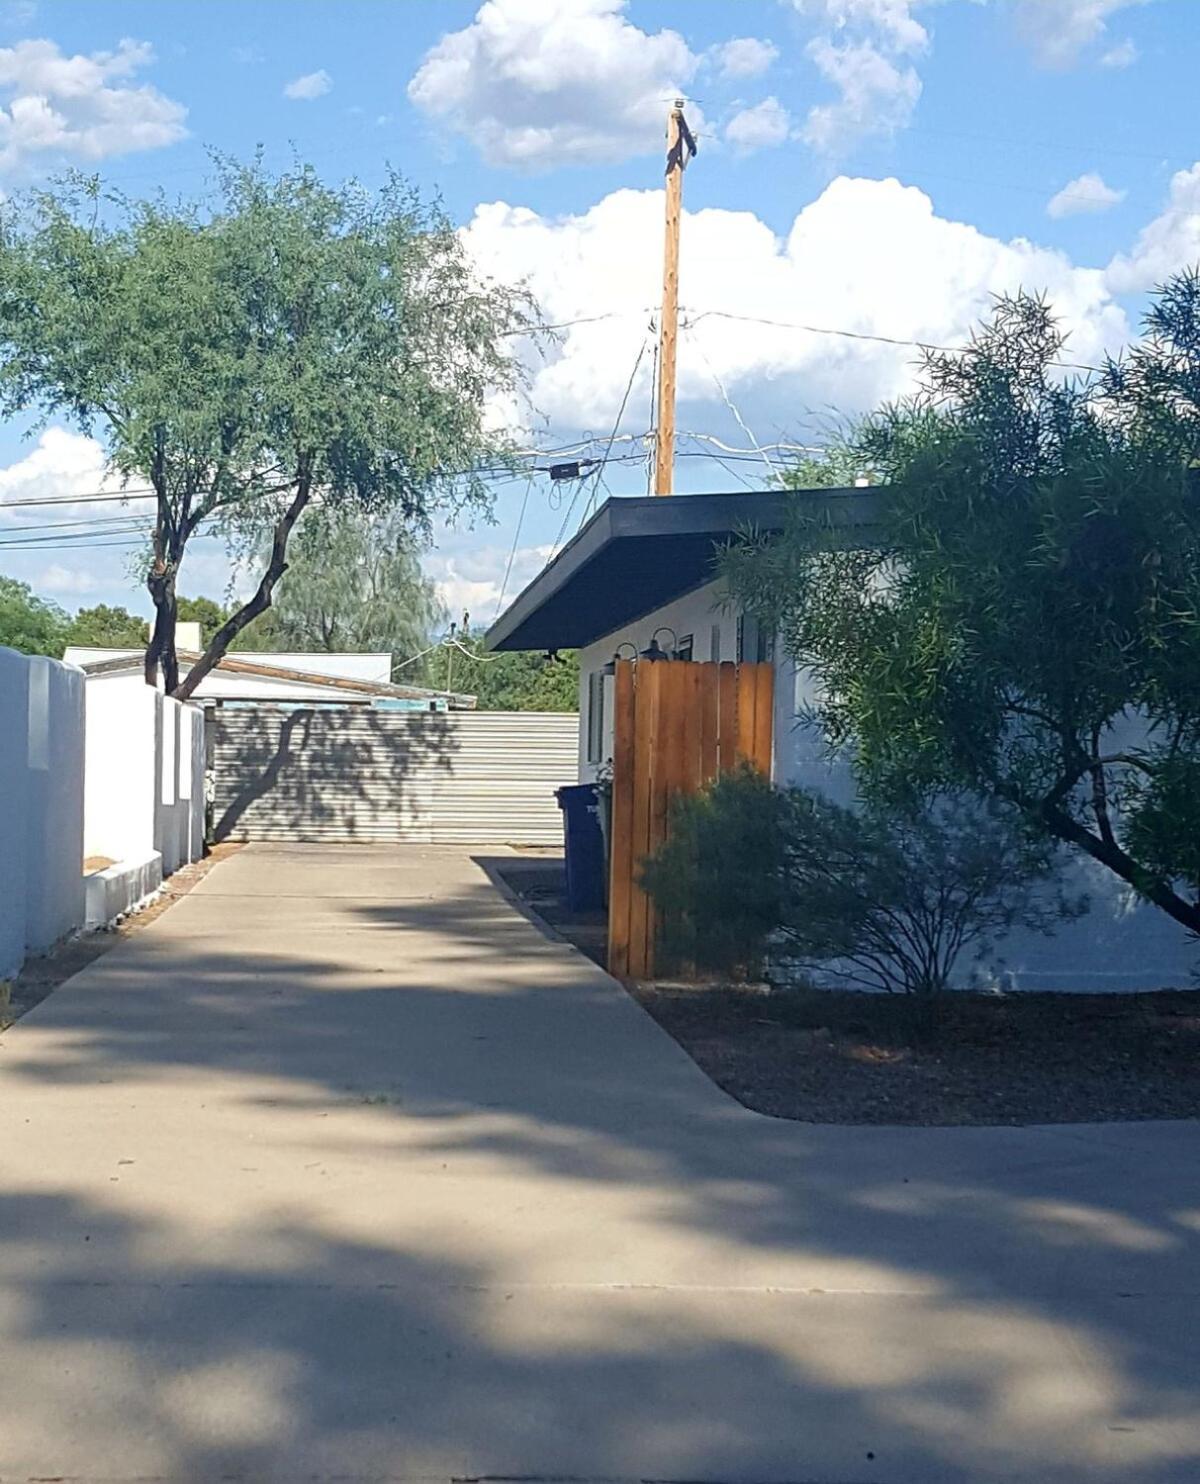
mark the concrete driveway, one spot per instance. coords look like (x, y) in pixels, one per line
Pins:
(340, 1170)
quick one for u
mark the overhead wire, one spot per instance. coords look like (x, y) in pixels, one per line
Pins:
(611, 440)
(508, 566)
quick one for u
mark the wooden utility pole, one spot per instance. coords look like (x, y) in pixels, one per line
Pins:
(679, 139)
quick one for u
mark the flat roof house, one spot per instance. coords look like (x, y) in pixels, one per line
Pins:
(643, 573)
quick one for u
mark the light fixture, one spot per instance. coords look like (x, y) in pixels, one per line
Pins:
(611, 667)
(654, 651)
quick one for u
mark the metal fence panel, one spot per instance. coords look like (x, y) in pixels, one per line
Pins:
(460, 777)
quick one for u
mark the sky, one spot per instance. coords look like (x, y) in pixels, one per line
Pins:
(865, 168)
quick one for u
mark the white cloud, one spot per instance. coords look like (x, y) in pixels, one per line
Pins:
(1124, 54)
(540, 83)
(865, 49)
(1086, 195)
(1167, 244)
(1060, 31)
(73, 581)
(18, 12)
(892, 21)
(766, 124)
(63, 466)
(745, 56)
(932, 282)
(472, 582)
(877, 96)
(54, 106)
(311, 85)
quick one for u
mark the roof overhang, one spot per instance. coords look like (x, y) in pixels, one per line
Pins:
(637, 554)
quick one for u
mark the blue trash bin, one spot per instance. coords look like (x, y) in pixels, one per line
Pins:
(584, 847)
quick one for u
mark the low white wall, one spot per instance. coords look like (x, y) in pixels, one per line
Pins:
(42, 726)
(145, 774)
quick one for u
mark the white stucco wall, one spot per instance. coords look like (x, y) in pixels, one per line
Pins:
(41, 804)
(14, 702)
(145, 773)
(121, 749)
(1120, 944)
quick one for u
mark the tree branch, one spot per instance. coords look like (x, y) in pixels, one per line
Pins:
(261, 601)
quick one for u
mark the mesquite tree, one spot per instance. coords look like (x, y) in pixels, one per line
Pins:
(1024, 621)
(281, 344)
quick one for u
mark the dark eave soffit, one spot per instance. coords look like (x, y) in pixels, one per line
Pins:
(637, 554)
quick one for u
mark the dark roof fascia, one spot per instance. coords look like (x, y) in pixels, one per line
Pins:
(650, 518)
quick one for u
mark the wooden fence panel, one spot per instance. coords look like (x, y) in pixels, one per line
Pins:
(677, 725)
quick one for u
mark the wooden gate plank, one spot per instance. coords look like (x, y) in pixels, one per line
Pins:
(764, 716)
(645, 732)
(727, 729)
(621, 827)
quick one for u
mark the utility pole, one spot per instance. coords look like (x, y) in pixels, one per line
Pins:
(679, 139)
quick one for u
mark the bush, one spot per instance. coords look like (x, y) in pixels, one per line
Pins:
(889, 899)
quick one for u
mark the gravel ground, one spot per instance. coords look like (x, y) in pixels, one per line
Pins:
(834, 1057)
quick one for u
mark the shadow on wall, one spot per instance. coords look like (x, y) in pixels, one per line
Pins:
(477, 1214)
(325, 774)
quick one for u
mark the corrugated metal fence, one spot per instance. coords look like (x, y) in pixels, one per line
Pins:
(459, 777)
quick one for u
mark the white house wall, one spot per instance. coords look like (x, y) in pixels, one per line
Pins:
(696, 613)
(1121, 943)
(41, 805)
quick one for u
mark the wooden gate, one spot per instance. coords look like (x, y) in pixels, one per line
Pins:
(676, 725)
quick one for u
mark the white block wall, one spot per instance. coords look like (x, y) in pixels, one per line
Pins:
(41, 805)
(145, 774)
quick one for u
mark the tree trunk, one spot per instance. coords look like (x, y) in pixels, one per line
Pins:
(259, 603)
(1110, 854)
(161, 649)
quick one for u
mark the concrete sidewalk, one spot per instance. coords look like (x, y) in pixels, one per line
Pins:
(341, 1170)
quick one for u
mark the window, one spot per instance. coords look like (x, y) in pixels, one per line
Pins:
(683, 650)
(714, 644)
(764, 648)
(595, 717)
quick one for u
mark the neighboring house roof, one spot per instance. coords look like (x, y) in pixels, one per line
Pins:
(637, 554)
(264, 678)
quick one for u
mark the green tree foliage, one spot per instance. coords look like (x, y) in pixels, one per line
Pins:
(208, 613)
(29, 623)
(281, 344)
(840, 465)
(1026, 623)
(889, 899)
(108, 628)
(356, 585)
(516, 681)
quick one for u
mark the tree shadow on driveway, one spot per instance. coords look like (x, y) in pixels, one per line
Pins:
(423, 1194)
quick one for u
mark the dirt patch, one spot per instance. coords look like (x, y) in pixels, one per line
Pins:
(94, 863)
(831, 1057)
(41, 975)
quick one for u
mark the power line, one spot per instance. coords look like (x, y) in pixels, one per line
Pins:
(754, 319)
(611, 439)
(515, 541)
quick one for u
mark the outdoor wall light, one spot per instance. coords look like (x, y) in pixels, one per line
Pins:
(654, 651)
(611, 667)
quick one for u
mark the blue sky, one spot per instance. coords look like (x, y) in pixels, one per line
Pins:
(875, 166)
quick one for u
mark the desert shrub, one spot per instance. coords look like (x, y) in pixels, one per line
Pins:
(889, 899)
